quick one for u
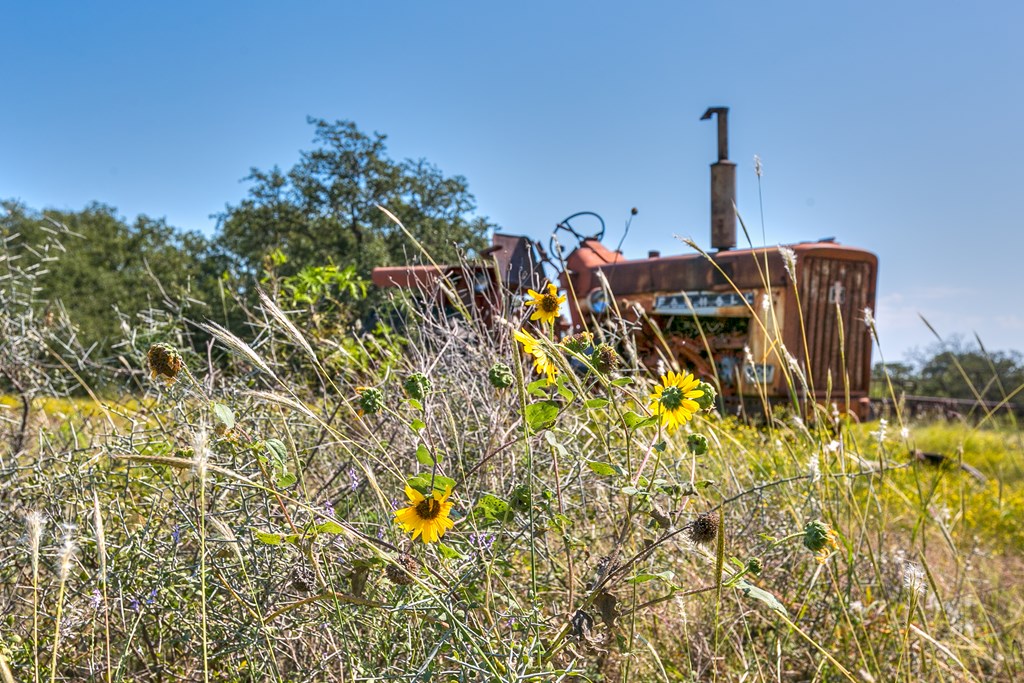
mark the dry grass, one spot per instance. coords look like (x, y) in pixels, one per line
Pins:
(236, 524)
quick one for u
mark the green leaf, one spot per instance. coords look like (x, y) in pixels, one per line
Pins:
(424, 457)
(604, 469)
(541, 414)
(704, 483)
(595, 403)
(630, 490)
(268, 537)
(660, 446)
(448, 551)
(421, 482)
(442, 483)
(559, 522)
(330, 527)
(418, 425)
(752, 591)
(634, 421)
(537, 388)
(493, 509)
(622, 381)
(224, 415)
(286, 479)
(413, 403)
(563, 390)
(277, 451)
(642, 577)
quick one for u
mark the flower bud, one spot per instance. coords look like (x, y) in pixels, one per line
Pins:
(818, 536)
(697, 443)
(416, 386)
(500, 376)
(371, 400)
(708, 399)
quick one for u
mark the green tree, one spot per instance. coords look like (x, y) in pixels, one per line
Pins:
(955, 370)
(324, 210)
(105, 266)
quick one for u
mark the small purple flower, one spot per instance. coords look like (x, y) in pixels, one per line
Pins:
(353, 479)
(176, 534)
(152, 597)
(328, 509)
(134, 604)
(482, 542)
(96, 599)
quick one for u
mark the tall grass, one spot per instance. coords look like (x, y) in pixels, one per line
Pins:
(589, 543)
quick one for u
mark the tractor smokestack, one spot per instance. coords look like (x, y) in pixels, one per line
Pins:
(723, 186)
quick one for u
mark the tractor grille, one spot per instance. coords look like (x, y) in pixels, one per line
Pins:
(823, 283)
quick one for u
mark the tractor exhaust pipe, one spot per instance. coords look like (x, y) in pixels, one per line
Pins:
(723, 186)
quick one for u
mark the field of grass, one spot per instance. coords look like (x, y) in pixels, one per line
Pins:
(238, 524)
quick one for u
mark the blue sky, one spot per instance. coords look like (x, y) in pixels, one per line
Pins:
(893, 126)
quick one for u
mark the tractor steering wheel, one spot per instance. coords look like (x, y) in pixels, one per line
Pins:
(566, 225)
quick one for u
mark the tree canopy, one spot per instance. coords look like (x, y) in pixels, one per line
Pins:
(324, 209)
(97, 264)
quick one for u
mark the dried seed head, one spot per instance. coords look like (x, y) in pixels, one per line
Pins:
(67, 551)
(500, 376)
(606, 360)
(704, 528)
(164, 360)
(788, 261)
(303, 577)
(402, 572)
(34, 521)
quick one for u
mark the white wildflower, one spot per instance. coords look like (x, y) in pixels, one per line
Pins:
(832, 446)
(789, 261)
(904, 433)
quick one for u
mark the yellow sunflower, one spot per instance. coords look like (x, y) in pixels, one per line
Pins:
(673, 399)
(542, 362)
(426, 516)
(547, 305)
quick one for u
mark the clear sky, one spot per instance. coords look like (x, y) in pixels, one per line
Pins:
(893, 126)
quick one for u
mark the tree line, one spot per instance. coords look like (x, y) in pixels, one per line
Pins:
(953, 369)
(320, 212)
